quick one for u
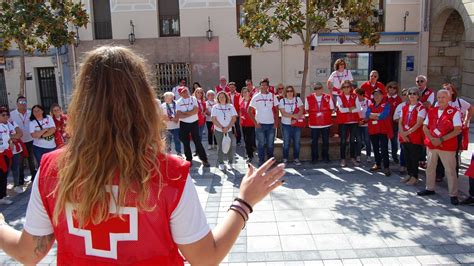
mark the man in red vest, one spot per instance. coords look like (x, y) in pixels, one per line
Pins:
(373, 84)
(222, 85)
(235, 100)
(319, 107)
(427, 98)
(441, 127)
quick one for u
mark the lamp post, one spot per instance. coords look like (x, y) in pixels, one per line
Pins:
(131, 36)
(209, 31)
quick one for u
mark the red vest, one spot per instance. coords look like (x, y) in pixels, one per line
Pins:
(425, 95)
(319, 115)
(347, 118)
(140, 238)
(218, 88)
(368, 89)
(442, 125)
(470, 169)
(245, 119)
(394, 102)
(380, 126)
(417, 136)
(235, 101)
(201, 112)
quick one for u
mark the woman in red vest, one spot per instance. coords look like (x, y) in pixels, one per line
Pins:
(411, 134)
(348, 119)
(60, 120)
(201, 100)
(112, 195)
(441, 127)
(319, 107)
(248, 127)
(394, 99)
(380, 130)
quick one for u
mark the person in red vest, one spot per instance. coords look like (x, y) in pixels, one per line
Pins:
(380, 130)
(112, 195)
(222, 85)
(394, 100)
(235, 100)
(363, 129)
(6, 155)
(441, 127)
(201, 102)
(427, 98)
(291, 109)
(319, 107)
(348, 119)
(373, 84)
(248, 127)
(470, 173)
(411, 134)
(251, 88)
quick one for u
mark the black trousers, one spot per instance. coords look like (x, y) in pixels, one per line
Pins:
(412, 153)
(353, 139)
(238, 133)
(471, 186)
(249, 139)
(3, 179)
(380, 145)
(210, 134)
(31, 163)
(191, 128)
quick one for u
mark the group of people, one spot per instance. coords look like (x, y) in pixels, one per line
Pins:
(374, 117)
(25, 136)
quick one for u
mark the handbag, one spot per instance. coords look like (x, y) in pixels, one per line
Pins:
(300, 122)
(48, 138)
(226, 142)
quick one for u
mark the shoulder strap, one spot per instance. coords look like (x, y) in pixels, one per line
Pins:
(39, 124)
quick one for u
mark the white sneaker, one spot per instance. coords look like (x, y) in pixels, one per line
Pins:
(27, 178)
(209, 147)
(18, 189)
(221, 167)
(5, 201)
(230, 165)
(297, 162)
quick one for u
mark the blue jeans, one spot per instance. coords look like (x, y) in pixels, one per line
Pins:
(315, 132)
(201, 131)
(16, 169)
(265, 136)
(173, 134)
(291, 134)
(39, 152)
(365, 138)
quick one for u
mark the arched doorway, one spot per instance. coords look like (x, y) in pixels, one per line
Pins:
(446, 53)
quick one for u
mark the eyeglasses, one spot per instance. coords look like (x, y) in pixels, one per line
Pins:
(22, 102)
(412, 93)
(420, 81)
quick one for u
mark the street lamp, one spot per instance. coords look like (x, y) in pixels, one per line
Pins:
(131, 36)
(209, 31)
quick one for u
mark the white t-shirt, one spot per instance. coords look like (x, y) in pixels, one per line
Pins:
(223, 114)
(187, 212)
(46, 122)
(263, 104)
(209, 105)
(456, 119)
(5, 130)
(23, 121)
(337, 77)
(186, 105)
(398, 111)
(318, 101)
(170, 111)
(12, 128)
(289, 106)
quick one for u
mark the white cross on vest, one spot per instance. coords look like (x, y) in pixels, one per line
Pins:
(101, 239)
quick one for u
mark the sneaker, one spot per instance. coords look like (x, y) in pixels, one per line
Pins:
(343, 163)
(230, 165)
(28, 178)
(209, 147)
(468, 201)
(374, 168)
(221, 167)
(297, 162)
(355, 162)
(5, 201)
(422, 164)
(413, 181)
(18, 189)
(425, 193)
(285, 161)
(405, 179)
(454, 200)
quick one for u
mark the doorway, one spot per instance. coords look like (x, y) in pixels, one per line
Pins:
(388, 66)
(240, 69)
(47, 87)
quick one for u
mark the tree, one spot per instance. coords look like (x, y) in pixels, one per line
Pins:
(38, 25)
(267, 20)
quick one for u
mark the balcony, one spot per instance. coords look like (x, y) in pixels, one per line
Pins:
(103, 30)
(169, 26)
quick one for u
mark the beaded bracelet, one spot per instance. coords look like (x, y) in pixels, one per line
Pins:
(245, 203)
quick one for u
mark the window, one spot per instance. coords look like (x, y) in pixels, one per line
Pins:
(102, 20)
(240, 14)
(168, 18)
(378, 14)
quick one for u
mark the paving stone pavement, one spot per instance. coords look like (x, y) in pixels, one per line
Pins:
(328, 215)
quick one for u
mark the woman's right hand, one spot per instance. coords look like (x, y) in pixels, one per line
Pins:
(258, 183)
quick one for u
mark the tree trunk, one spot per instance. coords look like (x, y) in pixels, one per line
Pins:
(22, 73)
(305, 71)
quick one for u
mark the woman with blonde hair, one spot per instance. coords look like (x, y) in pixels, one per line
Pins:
(201, 100)
(112, 195)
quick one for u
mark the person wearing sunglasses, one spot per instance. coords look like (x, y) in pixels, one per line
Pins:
(21, 117)
(394, 100)
(427, 98)
(373, 84)
(291, 109)
(396, 116)
(411, 134)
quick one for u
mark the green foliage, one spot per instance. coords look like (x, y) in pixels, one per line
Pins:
(40, 24)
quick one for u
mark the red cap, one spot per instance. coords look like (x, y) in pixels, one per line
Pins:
(182, 89)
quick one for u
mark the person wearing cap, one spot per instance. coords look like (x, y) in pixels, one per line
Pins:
(187, 111)
(181, 84)
(235, 100)
(380, 130)
(210, 102)
(441, 127)
(222, 86)
(319, 107)
(21, 117)
(373, 84)
(263, 105)
(411, 135)
(348, 119)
